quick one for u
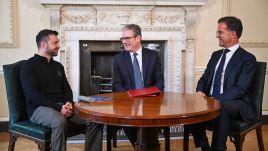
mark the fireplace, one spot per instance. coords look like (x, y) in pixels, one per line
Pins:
(96, 63)
(170, 21)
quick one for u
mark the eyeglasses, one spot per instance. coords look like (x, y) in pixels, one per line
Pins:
(126, 38)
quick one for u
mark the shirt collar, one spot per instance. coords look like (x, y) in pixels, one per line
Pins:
(233, 48)
(139, 52)
(41, 58)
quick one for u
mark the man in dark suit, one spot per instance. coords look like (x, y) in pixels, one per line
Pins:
(149, 63)
(227, 78)
(135, 67)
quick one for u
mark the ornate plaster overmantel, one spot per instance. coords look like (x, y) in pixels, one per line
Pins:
(173, 21)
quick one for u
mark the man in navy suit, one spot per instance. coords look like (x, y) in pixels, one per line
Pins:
(227, 78)
(149, 62)
(149, 65)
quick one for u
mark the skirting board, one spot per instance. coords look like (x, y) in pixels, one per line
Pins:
(4, 124)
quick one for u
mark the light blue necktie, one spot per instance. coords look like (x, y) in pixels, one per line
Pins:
(137, 72)
(218, 75)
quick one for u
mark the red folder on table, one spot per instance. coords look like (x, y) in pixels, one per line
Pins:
(143, 92)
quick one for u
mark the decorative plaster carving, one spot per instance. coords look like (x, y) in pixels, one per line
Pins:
(113, 29)
(199, 70)
(226, 7)
(13, 29)
(141, 18)
(75, 19)
(127, 2)
(113, 18)
(55, 17)
(68, 63)
(78, 15)
(78, 28)
(254, 44)
(121, 17)
(168, 16)
(190, 48)
(190, 22)
(167, 19)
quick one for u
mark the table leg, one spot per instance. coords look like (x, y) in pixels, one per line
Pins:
(147, 139)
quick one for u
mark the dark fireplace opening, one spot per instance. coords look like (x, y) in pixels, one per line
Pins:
(96, 63)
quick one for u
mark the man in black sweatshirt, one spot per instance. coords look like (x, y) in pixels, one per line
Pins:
(49, 95)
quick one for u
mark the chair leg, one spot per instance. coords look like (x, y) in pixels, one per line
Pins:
(43, 146)
(114, 138)
(238, 142)
(111, 134)
(260, 138)
(109, 138)
(186, 139)
(167, 138)
(12, 141)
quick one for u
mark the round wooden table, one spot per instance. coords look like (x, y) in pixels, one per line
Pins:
(149, 112)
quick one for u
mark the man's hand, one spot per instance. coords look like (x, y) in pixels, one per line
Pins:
(201, 93)
(67, 109)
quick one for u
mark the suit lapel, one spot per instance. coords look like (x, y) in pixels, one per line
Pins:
(235, 58)
(214, 62)
(128, 61)
(145, 62)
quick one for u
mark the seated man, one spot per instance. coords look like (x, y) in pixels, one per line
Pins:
(49, 96)
(227, 78)
(135, 68)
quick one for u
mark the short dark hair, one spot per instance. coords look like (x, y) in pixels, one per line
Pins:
(233, 24)
(43, 35)
(135, 28)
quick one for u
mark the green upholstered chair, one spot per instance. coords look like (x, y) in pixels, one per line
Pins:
(239, 128)
(19, 124)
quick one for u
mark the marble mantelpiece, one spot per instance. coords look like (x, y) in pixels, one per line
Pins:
(173, 21)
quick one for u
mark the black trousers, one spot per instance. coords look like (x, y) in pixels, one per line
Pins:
(221, 126)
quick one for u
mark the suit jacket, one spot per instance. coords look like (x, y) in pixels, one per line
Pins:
(238, 75)
(123, 75)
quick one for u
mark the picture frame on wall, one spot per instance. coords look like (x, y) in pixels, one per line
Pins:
(8, 24)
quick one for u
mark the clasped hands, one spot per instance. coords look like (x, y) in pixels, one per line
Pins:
(67, 109)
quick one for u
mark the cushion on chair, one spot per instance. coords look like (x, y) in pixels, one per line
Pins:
(34, 130)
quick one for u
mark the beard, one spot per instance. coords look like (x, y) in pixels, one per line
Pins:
(51, 52)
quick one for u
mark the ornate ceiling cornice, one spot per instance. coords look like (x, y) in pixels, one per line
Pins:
(125, 2)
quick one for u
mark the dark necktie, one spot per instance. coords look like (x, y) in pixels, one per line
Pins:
(218, 75)
(137, 72)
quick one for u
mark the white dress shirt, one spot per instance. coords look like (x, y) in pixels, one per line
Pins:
(227, 59)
